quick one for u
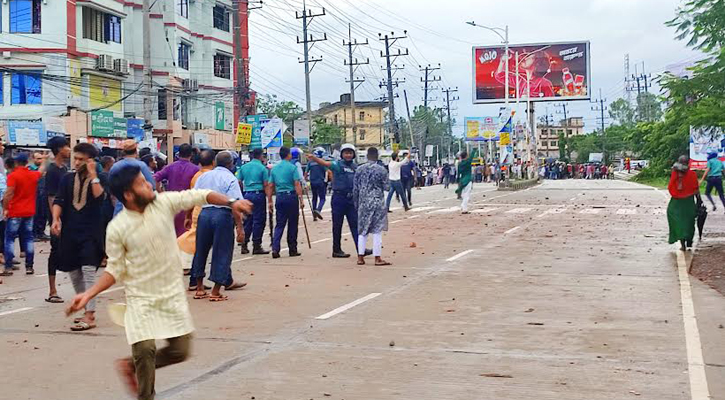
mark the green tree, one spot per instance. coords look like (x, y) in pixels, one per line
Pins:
(622, 112)
(649, 108)
(289, 111)
(325, 133)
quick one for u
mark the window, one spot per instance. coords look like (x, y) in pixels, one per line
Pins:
(568, 132)
(113, 28)
(221, 18)
(362, 134)
(334, 119)
(183, 8)
(222, 66)
(100, 26)
(25, 16)
(26, 88)
(162, 104)
(362, 116)
(184, 55)
(553, 143)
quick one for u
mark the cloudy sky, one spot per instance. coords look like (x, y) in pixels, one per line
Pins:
(437, 33)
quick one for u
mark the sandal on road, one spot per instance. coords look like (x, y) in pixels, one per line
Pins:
(55, 299)
(235, 285)
(193, 288)
(218, 297)
(6, 273)
(199, 296)
(382, 263)
(82, 326)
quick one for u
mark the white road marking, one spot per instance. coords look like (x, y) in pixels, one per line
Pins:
(515, 228)
(242, 259)
(320, 241)
(40, 275)
(626, 211)
(445, 210)
(590, 211)
(696, 364)
(552, 211)
(17, 310)
(485, 210)
(396, 221)
(348, 306)
(459, 255)
(414, 216)
(396, 208)
(418, 209)
(518, 211)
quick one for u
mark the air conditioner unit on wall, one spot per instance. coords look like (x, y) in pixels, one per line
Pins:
(191, 85)
(120, 66)
(104, 62)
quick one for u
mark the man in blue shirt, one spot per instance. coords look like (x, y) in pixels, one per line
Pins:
(316, 175)
(254, 175)
(284, 182)
(406, 178)
(713, 175)
(343, 172)
(214, 231)
(130, 156)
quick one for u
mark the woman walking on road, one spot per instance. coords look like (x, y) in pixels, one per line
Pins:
(682, 211)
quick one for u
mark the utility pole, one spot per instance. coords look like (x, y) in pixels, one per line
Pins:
(563, 110)
(428, 79)
(147, 99)
(240, 10)
(353, 66)
(627, 92)
(601, 108)
(307, 17)
(389, 41)
(410, 121)
(448, 111)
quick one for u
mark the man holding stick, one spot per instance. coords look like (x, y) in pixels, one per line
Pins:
(142, 253)
(284, 183)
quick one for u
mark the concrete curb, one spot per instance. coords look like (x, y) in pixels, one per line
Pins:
(510, 186)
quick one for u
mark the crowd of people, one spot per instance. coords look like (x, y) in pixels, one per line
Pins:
(560, 170)
(136, 221)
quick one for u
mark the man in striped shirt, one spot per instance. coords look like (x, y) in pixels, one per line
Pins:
(143, 254)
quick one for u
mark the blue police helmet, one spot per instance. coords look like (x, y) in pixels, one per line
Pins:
(319, 152)
(296, 153)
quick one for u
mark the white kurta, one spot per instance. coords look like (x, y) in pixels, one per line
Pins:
(143, 256)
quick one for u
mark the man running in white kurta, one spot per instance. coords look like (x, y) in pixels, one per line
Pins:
(143, 255)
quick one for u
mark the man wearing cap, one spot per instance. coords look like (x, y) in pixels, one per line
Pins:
(254, 177)
(343, 172)
(316, 175)
(130, 157)
(19, 208)
(285, 184)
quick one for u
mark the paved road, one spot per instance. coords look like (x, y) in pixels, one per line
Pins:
(563, 291)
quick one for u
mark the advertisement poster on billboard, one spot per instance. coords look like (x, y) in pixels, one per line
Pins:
(272, 130)
(704, 141)
(302, 132)
(550, 71)
(483, 129)
(134, 129)
(244, 134)
(256, 122)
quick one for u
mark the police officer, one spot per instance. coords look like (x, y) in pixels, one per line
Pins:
(284, 182)
(343, 172)
(316, 175)
(254, 176)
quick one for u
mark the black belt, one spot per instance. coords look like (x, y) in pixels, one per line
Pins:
(254, 191)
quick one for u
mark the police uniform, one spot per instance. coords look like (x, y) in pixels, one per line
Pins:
(342, 201)
(316, 174)
(253, 176)
(283, 176)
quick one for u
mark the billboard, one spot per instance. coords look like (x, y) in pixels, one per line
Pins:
(483, 129)
(704, 141)
(550, 71)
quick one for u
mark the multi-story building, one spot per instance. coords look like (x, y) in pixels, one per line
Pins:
(370, 117)
(547, 136)
(83, 60)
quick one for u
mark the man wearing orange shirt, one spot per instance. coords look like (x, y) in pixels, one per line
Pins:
(19, 206)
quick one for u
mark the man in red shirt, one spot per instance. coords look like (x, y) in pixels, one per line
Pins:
(19, 206)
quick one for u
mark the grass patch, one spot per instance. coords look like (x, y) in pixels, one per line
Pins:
(659, 182)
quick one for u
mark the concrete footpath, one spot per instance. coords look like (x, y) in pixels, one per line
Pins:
(567, 290)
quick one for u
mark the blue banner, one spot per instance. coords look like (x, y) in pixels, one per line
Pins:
(134, 129)
(26, 133)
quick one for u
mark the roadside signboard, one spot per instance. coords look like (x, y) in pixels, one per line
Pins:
(244, 134)
(704, 141)
(102, 123)
(544, 72)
